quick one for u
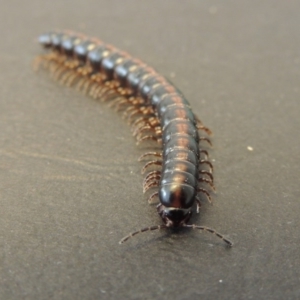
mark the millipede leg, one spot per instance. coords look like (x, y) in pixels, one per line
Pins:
(139, 122)
(205, 129)
(150, 179)
(63, 68)
(101, 92)
(150, 199)
(81, 83)
(72, 79)
(131, 112)
(94, 84)
(87, 86)
(209, 182)
(133, 109)
(198, 205)
(152, 122)
(150, 185)
(144, 121)
(104, 94)
(152, 174)
(116, 105)
(206, 140)
(148, 138)
(157, 154)
(142, 129)
(205, 153)
(40, 61)
(132, 119)
(201, 190)
(95, 89)
(44, 60)
(64, 78)
(200, 126)
(133, 102)
(206, 162)
(155, 130)
(204, 172)
(151, 163)
(116, 99)
(57, 72)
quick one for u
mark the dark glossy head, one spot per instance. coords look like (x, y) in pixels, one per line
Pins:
(177, 195)
(174, 217)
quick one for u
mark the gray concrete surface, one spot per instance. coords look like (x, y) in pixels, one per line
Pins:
(70, 185)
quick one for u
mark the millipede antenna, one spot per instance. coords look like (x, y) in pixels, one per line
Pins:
(207, 229)
(132, 234)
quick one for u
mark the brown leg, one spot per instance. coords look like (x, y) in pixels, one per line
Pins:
(58, 71)
(209, 182)
(201, 190)
(198, 203)
(206, 162)
(141, 121)
(155, 130)
(206, 140)
(150, 178)
(42, 60)
(72, 79)
(150, 163)
(138, 107)
(157, 154)
(133, 102)
(80, 83)
(108, 95)
(200, 126)
(65, 77)
(96, 89)
(150, 199)
(132, 112)
(142, 129)
(208, 174)
(148, 138)
(152, 174)
(150, 185)
(119, 103)
(205, 153)
(152, 122)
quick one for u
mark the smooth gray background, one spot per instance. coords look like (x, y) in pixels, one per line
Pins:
(70, 185)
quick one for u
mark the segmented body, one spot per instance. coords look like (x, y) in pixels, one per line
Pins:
(157, 110)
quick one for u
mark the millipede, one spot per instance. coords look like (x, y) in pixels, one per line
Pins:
(156, 110)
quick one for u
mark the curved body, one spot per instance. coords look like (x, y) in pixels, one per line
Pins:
(156, 108)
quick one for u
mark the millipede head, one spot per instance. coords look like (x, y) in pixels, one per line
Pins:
(174, 217)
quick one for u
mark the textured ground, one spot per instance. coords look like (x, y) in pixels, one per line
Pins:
(70, 185)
